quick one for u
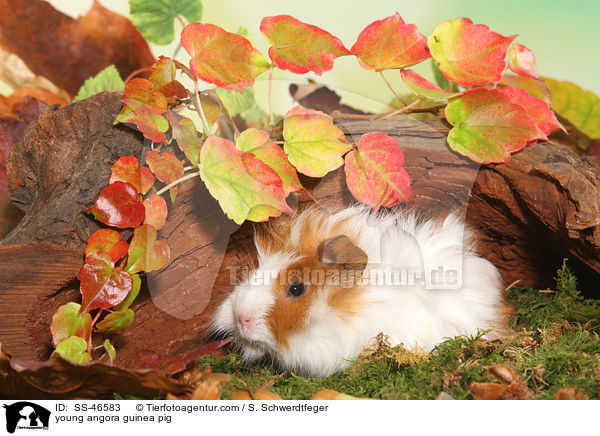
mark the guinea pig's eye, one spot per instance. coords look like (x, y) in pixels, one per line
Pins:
(296, 289)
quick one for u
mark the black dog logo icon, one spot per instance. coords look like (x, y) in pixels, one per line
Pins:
(26, 415)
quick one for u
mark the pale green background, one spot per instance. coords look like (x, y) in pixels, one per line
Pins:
(563, 35)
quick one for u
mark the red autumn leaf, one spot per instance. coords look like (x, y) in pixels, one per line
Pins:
(536, 108)
(156, 211)
(375, 171)
(107, 241)
(102, 286)
(116, 322)
(186, 135)
(226, 59)
(488, 127)
(260, 145)
(68, 51)
(420, 86)
(166, 167)
(245, 187)
(118, 206)
(521, 60)
(145, 252)
(67, 322)
(390, 43)
(164, 81)
(469, 54)
(144, 107)
(127, 169)
(300, 47)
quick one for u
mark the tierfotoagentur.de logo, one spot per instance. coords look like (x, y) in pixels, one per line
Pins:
(24, 415)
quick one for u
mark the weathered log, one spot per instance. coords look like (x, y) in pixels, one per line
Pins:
(539, 207)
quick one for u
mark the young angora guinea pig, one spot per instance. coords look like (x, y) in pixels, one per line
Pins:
(328, 283)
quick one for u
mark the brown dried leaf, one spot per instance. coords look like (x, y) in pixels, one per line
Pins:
(16, 74)
(174, 363)
(258, 394)
(513, 387)
(68, 51)
(569, 393)
(486, 391)
(61, 379)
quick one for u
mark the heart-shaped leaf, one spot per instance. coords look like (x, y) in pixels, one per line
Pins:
(145, 252)
(143, 107)
(260, 145)
(107, 241)
(312, 143)
(73, 349)
(536, 108)
(226, 59)
(110, 351)
(375, 171)
(156, 211)
(390, 43)
(300, 47)
(245, 187)
(166, 167)
(164, 81)
(102, 286)
(186, 135)
(67, 322)
(127, 169)
(521, 60)
(487, 126)
(135, 290)
(118, 206)
(116, 322)
(470, 54)
(154, 18)
(421, 86)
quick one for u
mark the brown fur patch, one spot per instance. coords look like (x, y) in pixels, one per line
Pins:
(289, 314)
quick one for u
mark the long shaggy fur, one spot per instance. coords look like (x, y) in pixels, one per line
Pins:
(324, 330)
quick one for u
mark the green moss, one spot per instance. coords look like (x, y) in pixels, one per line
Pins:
(558, 346)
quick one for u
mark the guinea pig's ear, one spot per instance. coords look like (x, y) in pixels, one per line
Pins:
(343, 253)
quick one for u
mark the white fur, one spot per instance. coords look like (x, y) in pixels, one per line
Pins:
(413, 314)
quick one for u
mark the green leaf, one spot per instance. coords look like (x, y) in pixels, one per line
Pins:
(66, 322)
(73, 349)
(236, 102)
(110, 350)
(135, 290)
(116, 322)
(580, 107)
(154, 18)
(145, 252)
(441, 81)
(108, 79)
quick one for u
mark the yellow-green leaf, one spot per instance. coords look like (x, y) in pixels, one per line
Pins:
(312, 143)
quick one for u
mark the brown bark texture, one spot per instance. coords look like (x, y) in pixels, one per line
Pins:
(531, 212)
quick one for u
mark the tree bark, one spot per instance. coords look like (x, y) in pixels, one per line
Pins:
(541, 206)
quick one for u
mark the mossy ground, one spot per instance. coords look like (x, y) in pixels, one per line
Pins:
(557, 346)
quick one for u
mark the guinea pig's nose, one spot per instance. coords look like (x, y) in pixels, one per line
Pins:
(245, 320)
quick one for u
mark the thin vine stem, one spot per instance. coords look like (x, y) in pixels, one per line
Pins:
(389, 85)
(177, 182)
(191, 167)
(200, 110)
